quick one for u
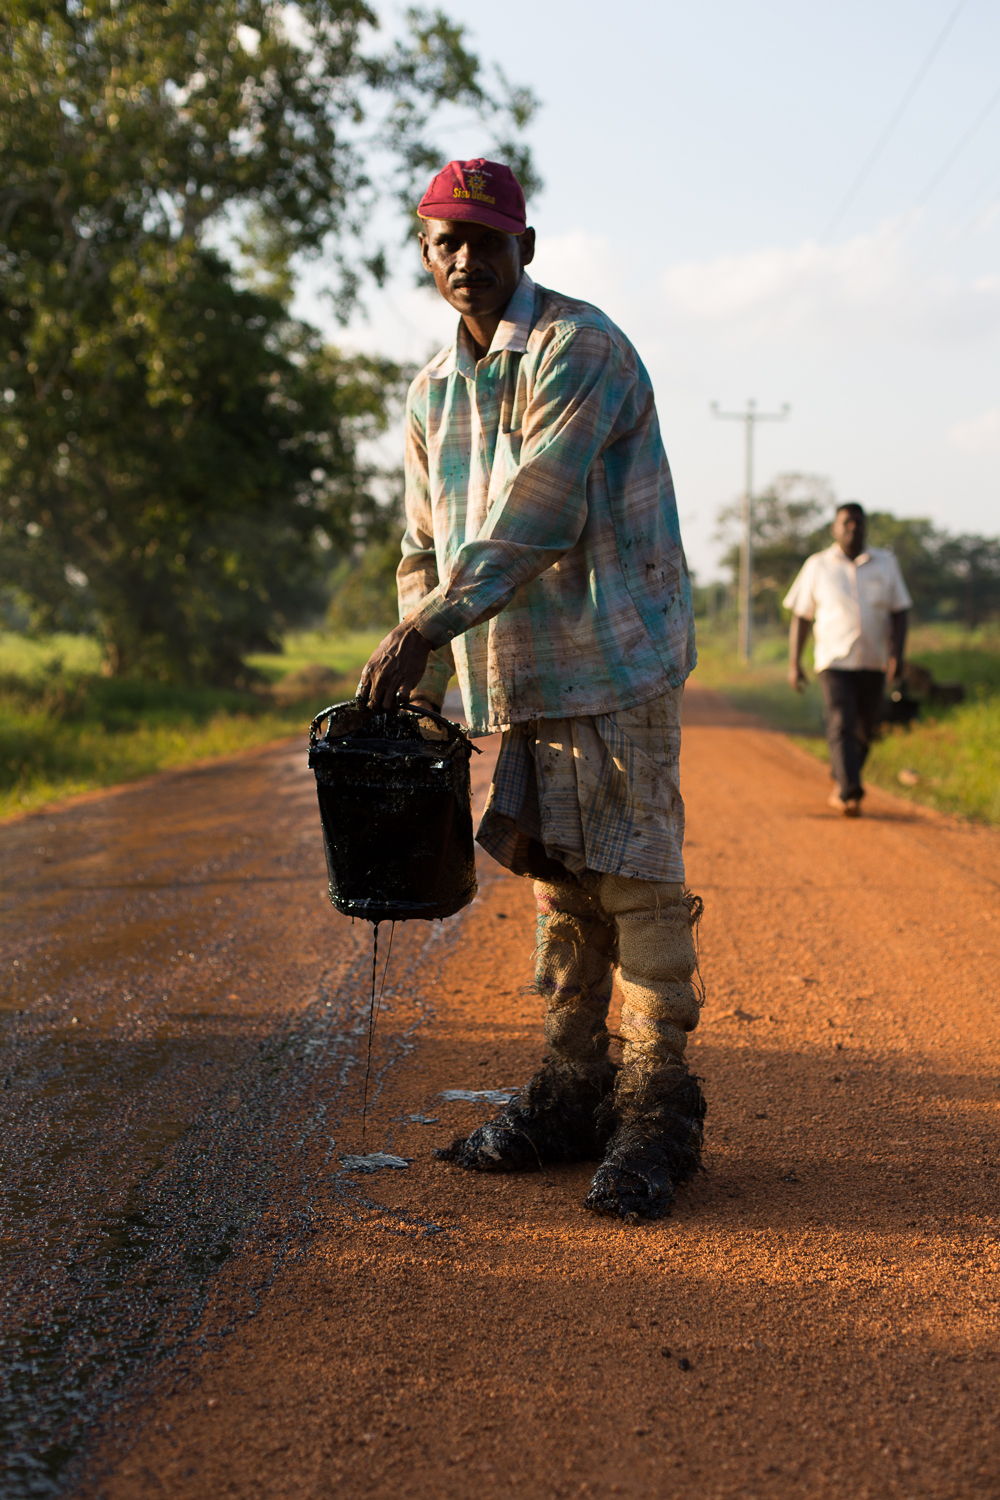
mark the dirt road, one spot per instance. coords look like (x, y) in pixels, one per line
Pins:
(202, 1300)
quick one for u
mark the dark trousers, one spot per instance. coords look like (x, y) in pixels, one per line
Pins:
(852, 703)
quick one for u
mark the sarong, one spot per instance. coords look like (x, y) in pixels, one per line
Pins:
(599, 793)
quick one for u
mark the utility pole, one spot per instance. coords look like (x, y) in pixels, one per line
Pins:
(748, 418)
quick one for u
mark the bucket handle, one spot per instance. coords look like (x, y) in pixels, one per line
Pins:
(420, 713)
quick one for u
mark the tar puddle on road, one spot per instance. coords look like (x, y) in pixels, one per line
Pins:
(108, 1254)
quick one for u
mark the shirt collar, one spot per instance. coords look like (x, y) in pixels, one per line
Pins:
(511, 335)
(839, 552)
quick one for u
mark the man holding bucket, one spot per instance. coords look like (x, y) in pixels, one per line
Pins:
(542, 560)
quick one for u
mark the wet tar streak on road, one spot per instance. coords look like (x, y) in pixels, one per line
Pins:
(181, 1014)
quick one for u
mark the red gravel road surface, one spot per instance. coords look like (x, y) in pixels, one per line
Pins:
(818, 1317)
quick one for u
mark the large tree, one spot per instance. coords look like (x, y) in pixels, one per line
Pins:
(177, 453)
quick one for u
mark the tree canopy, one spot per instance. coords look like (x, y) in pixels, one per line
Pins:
(178, 454)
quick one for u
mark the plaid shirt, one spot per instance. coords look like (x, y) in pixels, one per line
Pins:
(542, 534)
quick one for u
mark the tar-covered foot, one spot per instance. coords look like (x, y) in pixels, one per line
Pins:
(555, 1118)
(655, 1148)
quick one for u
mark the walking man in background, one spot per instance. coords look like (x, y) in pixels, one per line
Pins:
(542, 560)
(856, 603)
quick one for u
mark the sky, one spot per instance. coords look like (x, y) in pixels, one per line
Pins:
(710, 184)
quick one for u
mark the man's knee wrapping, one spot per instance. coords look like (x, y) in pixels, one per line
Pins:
(618, 894)
(553, 896)
(573, 958)
(575, 947)
(661, 1001)
(657, 947)
(655, 927)
(658, 962)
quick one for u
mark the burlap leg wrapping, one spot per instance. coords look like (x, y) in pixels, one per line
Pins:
(573, 958)
(657, 962)
(657, 1106)
(557, 1116)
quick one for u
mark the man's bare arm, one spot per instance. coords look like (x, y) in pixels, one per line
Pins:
(898, 621)
(798, 634)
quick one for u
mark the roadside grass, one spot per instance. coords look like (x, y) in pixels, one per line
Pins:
(343, 654)
(953, 753)
(65, 729)
(956, 755)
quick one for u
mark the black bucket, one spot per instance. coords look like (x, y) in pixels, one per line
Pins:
(396, 807)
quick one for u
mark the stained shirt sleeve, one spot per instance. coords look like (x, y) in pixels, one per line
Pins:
(899, 593)
(583, 389)
(801, 597)
(417, 574)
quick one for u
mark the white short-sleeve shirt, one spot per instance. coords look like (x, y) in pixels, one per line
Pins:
(849, 604)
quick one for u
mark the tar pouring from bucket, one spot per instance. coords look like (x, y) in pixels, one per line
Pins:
(395, 805)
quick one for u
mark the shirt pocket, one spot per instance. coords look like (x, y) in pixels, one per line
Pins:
(506, 463)
(512, 404)
(873, 589)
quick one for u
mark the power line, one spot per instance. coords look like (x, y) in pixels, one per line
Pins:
(956, 152)
(810, 259)
(889, 130)
(985, 182)
(803, 270)
(961, 234)
(931, 262)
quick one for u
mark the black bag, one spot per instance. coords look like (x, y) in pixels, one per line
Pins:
(396, 809)
(899, 707)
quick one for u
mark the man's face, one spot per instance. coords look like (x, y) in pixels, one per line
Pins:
(476, 268)
(849, 532)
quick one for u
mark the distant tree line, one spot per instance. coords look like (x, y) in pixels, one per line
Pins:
(951, 577)
(181, 458)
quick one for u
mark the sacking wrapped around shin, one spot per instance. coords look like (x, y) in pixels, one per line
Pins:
(573, 956)
(658, 1107)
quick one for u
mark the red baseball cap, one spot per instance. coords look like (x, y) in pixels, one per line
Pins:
(485, 191)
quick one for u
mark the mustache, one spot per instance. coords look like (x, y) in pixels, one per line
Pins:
(482, 279)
